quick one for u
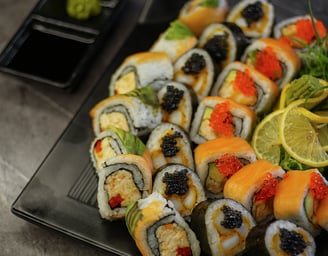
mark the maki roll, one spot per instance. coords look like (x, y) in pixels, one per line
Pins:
(321, 213)
(136, 112)
(219, 117)
(175, 40)
(113, 142)
(280, 237)
(217, 160)
(297, 198)
(255, 187)
(180, 185)
(195, 69)
(254, 17)
(224, 41)
(139, 70)
(158, 229)
(274, 59)
(247, 86)
(222, 226)
(177, 103)
(169, 143)
(124, 180)
(198, 14)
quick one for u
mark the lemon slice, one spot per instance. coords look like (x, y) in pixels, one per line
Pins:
(266, 140)
(299, 137)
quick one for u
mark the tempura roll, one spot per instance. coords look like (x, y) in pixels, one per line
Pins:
(254, 17)
(158, 229)
(180, 185)
(222, 226)
(274, 59)
(198, 14)
(245, 85)
(175, 40)
(124, 180)
(195, 68)
(139, 70)
(219, 117)
(217, 160)
(254, 186)
(169, 143)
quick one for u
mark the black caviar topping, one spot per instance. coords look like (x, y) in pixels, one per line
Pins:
(194, 64)
(172, 98)
(177, 182)
(232, 218)
(253, 12)
(169, 144)
(291, 242)
(217, 47)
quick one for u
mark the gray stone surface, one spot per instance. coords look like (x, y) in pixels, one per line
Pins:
(32, 117)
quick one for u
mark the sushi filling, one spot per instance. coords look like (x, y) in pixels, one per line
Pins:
(127, 81)
(176, 182)
(117, 116)
(170, 146)
(171, 99)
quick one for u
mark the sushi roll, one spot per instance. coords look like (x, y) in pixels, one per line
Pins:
(298, 31)
(139, 70)
(254, 186)
(180, 185)
(321, 213)
(175, 40)
(136, 112)
(254, 17)
(274, 59)
(195, 68)
(247, 86)
(177, 102)
(297, 198)
(198, 14)
(280, 237)
(124, 180)
(113, 142)
(158, 229)
(169, 143)
(222, 226)
(219, 117)
(224, 42)
(217, 160)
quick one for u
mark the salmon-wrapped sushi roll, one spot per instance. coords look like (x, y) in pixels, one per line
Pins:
(254, 186)
(297, 198)
(139, 70)
(158, 229)
(177, 102)
(219, 117)
(195, 68)
(198, 14)
(274, 59)
(113, 142)
(254, 17)
(217, 160)
(175, 40)
(222, 226)
(169, 144)
(280, 237)
(246, 85)
(321, 213)
(180, 185)
(137, 112)
(124, 180)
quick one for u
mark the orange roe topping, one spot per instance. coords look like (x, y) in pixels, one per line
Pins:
(268, 64)
(184, 251)
(286, 40)
(244, 83)
(228, 165)
(221, 120)
(268, 188)
(305, 30)
(98, 146)
(115, 201)
(317, 186)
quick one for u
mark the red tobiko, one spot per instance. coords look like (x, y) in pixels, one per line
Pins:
(221, 120)
(184, 251)
(268, 188)
(268, 64)
(317, 186)
(228, 164)
(244, 83)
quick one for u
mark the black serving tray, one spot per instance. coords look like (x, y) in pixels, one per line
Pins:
(54, 49)
(61, 195)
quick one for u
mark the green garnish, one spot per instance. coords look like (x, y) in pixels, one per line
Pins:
(178, 31)
(209, 3)
(83, 9)
(147, 95)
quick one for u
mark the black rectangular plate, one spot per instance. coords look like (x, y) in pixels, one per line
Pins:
(62, 193)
